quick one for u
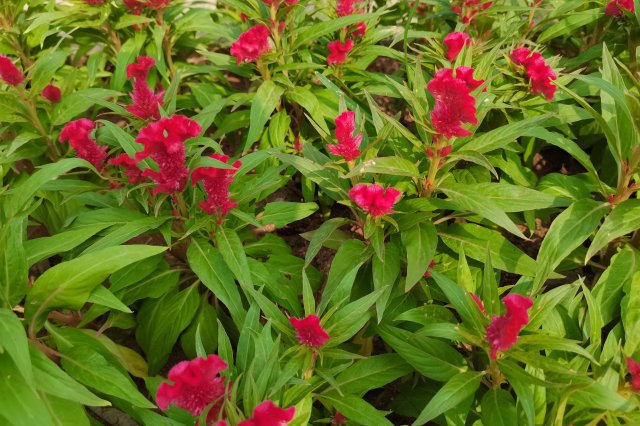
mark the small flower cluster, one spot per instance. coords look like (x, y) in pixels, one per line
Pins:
(348, 146)
(196, 385)
(146, 102)
(454, 104)
(503, 331)
(309, 332)
(615, 7)
(468, 9)
(216, 185)
(338, 50)
(9, 73)
(634, 370)
(375, 199)
(78, 134)
(539, 72)
(455, 42)
(251, 44)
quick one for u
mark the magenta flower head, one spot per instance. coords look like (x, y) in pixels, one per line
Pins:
(216, 184)
(146, 103)
(51, 93)
(131, 169)
(503, 331)
(539, 72)
(374, 199)
(478, 302)
(634, 370)
(615, 7)
(348, 145)
(251, 44)
(455, 42)
(454, 105)
(9, 73)
(346, 7)
(78, 134)
(309, 331)
(338, 51)
(269, 414)
(135, 6)
(195, 386)
(164, 141)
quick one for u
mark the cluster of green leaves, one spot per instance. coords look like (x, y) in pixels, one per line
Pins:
(103, 287)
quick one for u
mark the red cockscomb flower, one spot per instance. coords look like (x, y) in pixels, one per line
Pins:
(146, 103)
(615, 7)
(196, 385)
(51, 93)
(539, 72)
(269, 414)
(251, 44)
(78, 134)
(339, 419)
(454, 105)
(348, 145)
(338, 51)
(9, 73)
(468, 9)
(455, 42)
(374, 199)
(164, 142)
(503, 331)
(157, 4)
(309, 331)
(216, 184)
(634, 370)
(135, 6)
(359, 30)
(346, 7)
(131, 169)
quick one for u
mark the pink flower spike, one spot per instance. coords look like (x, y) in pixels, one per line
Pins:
(51, 93)
(346, 7)
(164, 141)
(251, 44)
(338, 51)
(339, 419)
(360, 30)
(135, 6)
(615, 7)
(503, 331)
(134, 174)
(455, 42)
(478, 302)
(454, 105)
(78, 134)
(374, 199)
(146, 103)
(634, 370)
(9, 73)
(216, 185)
(348, 145)
(269, 414)
(196, 385)
(309, 331)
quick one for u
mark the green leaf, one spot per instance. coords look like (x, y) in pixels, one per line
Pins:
(45, 68)
(76, 103)
(65, 412)
(498, 408)
(473, 239)
(395, 166)
(13, 341)
(281, 213)
(372, 373)
(514, 198)
(69, 284)
(93, 370)
(467, 199)
(126, 232)
(502, 136)
(461, 301)
(101, 296)
(207, 263)
(607, 291)
(570, 23)
(327, 179)
(307, 100)
(160, 323)
(353, 407)
(454, 392)
(50, 378)
(385, 272)
(321, 235)
(624, 219)
(14, 268)
(630, 311)
(568, 231)
(233, 254)
(420, 242)
(308, 34)
(264, 102)
(42, 248)
(20, 404)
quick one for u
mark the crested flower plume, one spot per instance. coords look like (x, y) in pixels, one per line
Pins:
(216, 185)
(540, 74)
(374, 199)
(338, 51)
(78, 134)
(503, 331)
(9, 73)
(146, 103)
(348, 145)
(251, 44)
(455, 42)
(309, 331)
